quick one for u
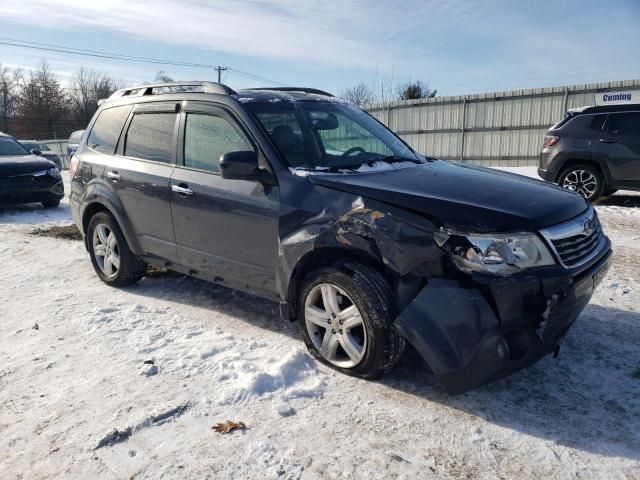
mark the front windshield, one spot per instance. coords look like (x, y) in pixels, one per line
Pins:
(8, 146)
(328, 135)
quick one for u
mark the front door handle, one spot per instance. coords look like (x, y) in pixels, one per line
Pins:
(182, 189)
(114, 175)
(608, 140)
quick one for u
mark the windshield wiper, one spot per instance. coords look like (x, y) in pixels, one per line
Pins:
(398, 159)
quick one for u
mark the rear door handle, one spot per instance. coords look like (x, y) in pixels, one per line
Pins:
(608, 140)
(182, 189)
(114, 175)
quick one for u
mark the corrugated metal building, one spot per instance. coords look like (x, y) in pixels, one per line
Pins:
(497, 129)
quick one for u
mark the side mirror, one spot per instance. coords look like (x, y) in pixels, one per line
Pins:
(241, 165)
(37, 152)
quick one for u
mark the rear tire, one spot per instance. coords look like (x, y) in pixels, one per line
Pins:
(112, 259)
(583, 179)
(50, 203)
(359, 340)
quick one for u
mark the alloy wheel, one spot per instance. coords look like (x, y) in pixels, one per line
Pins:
(106, 251)
(582, 182)
(335, 325)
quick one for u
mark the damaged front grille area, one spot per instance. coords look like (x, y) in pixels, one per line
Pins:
(577, 241)
(573, 250)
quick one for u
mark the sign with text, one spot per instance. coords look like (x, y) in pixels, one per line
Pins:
(616, 98)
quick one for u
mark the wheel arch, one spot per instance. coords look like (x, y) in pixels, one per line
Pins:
(101, 205)
(570, 162)
(325, 256)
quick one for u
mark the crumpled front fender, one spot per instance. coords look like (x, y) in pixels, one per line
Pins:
(457, 332)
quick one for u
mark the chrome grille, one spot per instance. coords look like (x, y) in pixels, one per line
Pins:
(577, 241)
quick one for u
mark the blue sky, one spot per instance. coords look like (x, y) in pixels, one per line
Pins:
(456, 46)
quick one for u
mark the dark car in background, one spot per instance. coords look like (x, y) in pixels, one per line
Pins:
(42, 149)
(308, 201)
(74, 140)
(27, 178)
(594, 150)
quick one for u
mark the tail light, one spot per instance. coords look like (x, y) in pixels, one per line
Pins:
(73, 166)
(551, 140)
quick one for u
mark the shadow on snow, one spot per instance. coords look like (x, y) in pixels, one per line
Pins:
(587, 399)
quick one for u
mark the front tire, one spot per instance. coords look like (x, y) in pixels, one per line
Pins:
(583, 179)
(345, 315)
(112, 259)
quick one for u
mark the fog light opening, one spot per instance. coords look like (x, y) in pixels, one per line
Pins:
(513, 345)
(503, 350)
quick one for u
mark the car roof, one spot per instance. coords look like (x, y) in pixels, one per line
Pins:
(251, 95)
(205, 90)
(591, 109)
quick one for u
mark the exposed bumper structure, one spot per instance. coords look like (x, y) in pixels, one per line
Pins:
(477, 331)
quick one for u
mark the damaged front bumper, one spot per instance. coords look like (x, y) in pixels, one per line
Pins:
(477, 329)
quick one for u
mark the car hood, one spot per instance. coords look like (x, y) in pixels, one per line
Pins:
(463, 197)
(22, 164)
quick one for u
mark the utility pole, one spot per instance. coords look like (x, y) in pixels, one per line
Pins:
(220, 69)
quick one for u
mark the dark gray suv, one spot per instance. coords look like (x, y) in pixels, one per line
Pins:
(594, 151)
(308, 201)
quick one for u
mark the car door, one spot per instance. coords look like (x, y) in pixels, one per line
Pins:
(226, 230)
(619, 147)
(140, 173)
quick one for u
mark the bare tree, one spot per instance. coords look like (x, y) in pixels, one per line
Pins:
(161, 76)
(415, 90)
(89, 86)
(384, 86)
(43, 101)
(359, 94)
(9, 91)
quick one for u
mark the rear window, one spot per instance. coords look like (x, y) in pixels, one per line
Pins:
(568, 116)
(150, 137)
(106, 131)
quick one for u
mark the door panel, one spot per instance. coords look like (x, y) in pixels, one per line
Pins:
(619, 147)
(143, 189)
(143, 182)
(225, 229)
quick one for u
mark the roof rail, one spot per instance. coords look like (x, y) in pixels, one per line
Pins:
(142, 90)
(295, 89)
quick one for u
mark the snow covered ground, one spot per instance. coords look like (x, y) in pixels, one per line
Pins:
(78, 401)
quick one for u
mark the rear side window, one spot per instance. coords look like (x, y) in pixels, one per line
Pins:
(150, 137)
(207, 138)
(624, 124)
(597, 122)
(106, 131)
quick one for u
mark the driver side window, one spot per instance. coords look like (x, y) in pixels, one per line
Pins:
(207, 138)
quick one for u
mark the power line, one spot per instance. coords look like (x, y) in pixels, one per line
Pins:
(103, 54)
(252, 76)
(49, 47)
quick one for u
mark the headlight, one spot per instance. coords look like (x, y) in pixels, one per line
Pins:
(54, 172)
(495, 253)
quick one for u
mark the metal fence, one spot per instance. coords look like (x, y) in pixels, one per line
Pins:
(59, 147)
(495, 129)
